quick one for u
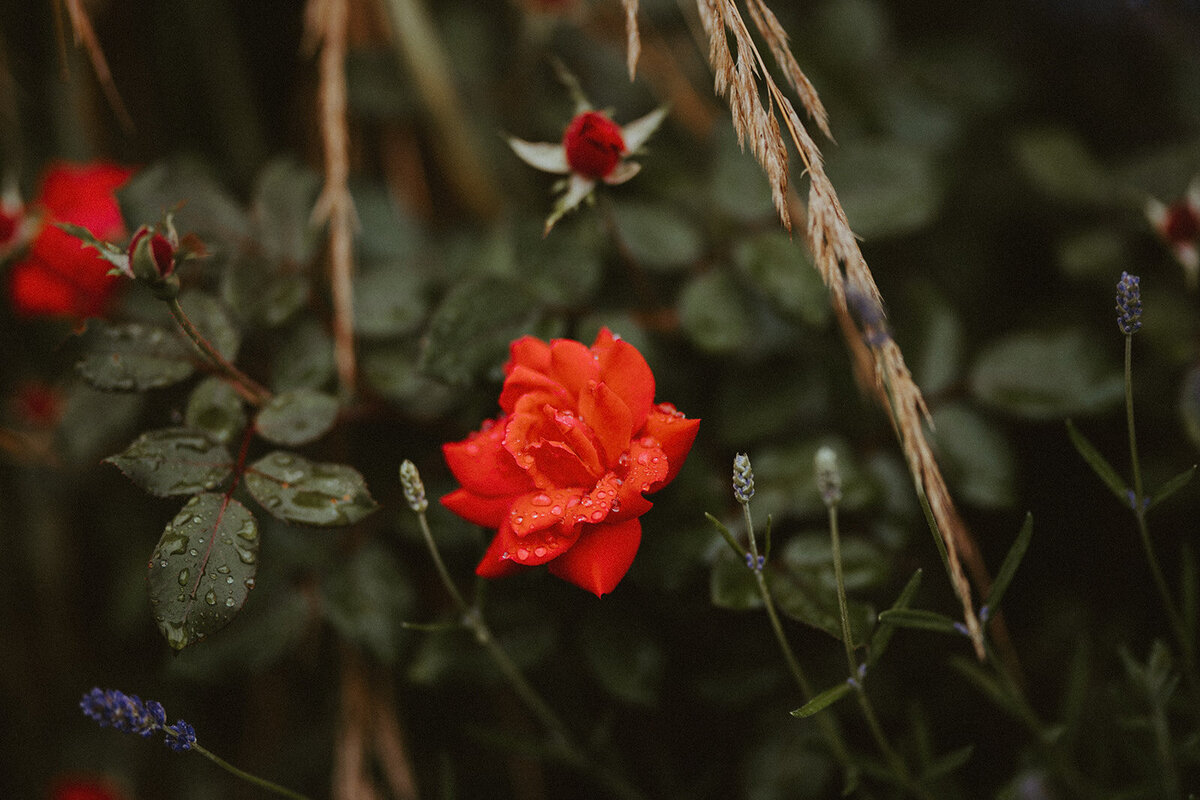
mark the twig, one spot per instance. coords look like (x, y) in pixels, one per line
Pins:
(85, 36)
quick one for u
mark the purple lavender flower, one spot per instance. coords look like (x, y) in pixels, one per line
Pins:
(129, 714)
(1129, 304)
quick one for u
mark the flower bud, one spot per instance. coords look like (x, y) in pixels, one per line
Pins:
(414, 487)
(151, 255)
(829, 478)
(743, 478)
(1129, 304)
(593, 144)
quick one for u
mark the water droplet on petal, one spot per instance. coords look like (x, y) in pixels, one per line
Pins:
(557, 511)
(539, 551)
(522, 554)
(541, 499)
(597, 515)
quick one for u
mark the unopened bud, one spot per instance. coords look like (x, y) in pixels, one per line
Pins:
(743, 478)
(151, 255)
(414, 489)
(829, 478)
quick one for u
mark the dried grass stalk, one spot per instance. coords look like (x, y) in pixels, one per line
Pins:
(633, 41)
(85, 37)
(741, 78)
(325, 27)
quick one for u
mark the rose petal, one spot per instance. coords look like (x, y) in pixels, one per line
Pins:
(539, 510)
(486, 511)
(541, 546)
(531, 387)
(573, 365)
(483, 466)
(626, 373)
(531, 352)
(675, 434)
(494, 564)
(601, 556)
(609, 418)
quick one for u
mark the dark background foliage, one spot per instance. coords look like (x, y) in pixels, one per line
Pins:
(995, 161)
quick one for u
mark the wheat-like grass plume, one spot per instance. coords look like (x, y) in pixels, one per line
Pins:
(741, 76)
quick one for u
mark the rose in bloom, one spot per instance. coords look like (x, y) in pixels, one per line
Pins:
(58, 277)
(593, 149)
(562, 473)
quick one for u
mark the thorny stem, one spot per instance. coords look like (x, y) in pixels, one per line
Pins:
(246, 776)
(829, 730)
(562, 745)
(897, 765)
(250, 390)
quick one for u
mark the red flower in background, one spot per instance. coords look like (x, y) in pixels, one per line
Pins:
(58, 276)
(562, 473)
(85, 787)
(593, 144)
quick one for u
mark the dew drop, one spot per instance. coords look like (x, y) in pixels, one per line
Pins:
(615, 506)
(210, 597)
(230, 602)
(248, 583)
(597, 515)
(557, 511)
(541, 499)
(228, 579)
(184, 575)
(522, 554)
(539, 551)
(223, 569)
(193, 552)
(623, 460)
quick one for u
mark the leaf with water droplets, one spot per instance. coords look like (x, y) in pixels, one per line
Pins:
(134, 357)
(296, 417)
(215, 408)
(305, 492)
(202, 568)
(174, 461)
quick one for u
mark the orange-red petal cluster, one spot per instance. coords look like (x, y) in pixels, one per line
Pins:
(561, 474)
(58, 277)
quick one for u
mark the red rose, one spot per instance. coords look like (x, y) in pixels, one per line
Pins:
(562, 472)
(59, 276)
(594, 145)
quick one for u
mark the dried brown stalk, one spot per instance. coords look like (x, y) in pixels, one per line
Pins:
(633, 42)
(367, 726)
(325, 27)
(835, 251)
(85, 37)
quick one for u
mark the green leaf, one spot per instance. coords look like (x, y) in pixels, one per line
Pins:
(265, 291)
(1011, 561)
(804, 600)
(470, 331)
(887, 188)
(715, 314)
(391, 370)
(283, 209)
(1099, 465)
(134, 357)
(564, 269)
(209, 316)
(657, 236)
(304, 359)
(117, 256)
(366, 598)
(976, 458)
(1058, 164)
(733, 543)
(202, 568)
(1172, 486)
(1046, 375)
(823, 700)
(296, 417)
(215, 408)
(787, 486)
(809, 556)
(919, 619)
(732, 584)
(304, 492)
(389, 300)
(201, 206)
(780, 268)
(884, 630)
(174, 461)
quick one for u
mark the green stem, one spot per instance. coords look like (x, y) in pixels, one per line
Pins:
(897, 765)
(1139, 512)
(562, 745)
(252, 391)
(829, 730)
(246, 776)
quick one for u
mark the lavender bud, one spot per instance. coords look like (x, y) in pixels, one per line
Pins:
(829, 478)
(1129, 304)
(414, 489)
(743, 478)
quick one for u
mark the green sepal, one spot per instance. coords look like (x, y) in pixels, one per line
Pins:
(296, 417)
(1172, 486)
(305, 492)
(203, 568)
(108, 251)
(174, 461)
(920, 619)
(1011, 562)
(823, 700)
(1098, 464)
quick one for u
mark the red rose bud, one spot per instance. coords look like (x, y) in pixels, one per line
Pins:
(151, 255)
(1181, 223)
(562, 474)
(9, 224)
(594, 145)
